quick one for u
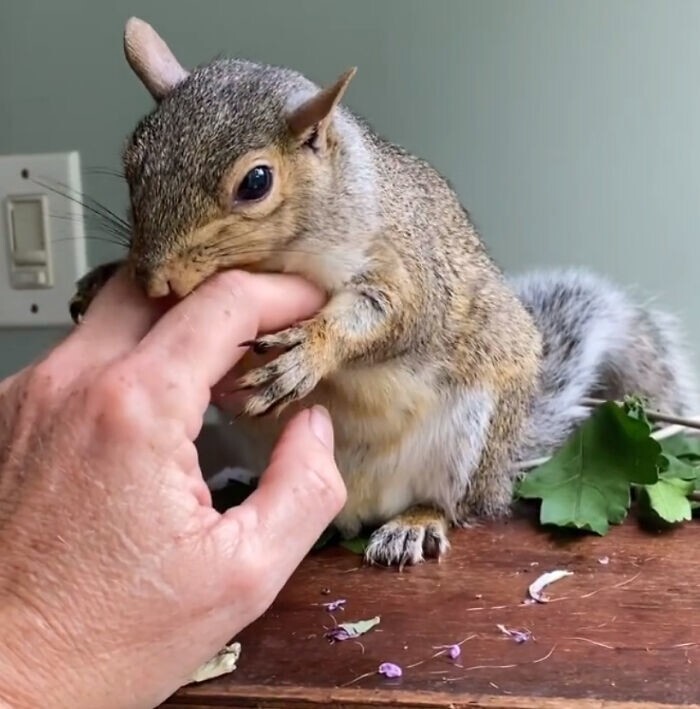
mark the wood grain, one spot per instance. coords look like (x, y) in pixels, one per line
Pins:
(620, 635)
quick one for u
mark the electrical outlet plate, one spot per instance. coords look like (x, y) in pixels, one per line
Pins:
(53, 183)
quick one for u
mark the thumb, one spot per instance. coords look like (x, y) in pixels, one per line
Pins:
(297, 498)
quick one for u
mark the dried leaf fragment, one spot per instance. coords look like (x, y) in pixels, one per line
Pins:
(537, 587)
(346, 631)
(222, 663)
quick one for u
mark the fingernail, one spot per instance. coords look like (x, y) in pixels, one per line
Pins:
(321, 425)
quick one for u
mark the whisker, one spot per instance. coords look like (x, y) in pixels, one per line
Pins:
(104, 219)
(113, 235)
(109, 172)
(218, 253)
(92, 205)
(224, 238)
(76, 220)
(90, 238)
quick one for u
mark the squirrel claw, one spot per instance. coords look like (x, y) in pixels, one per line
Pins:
(258, 346)
(284, 339)
(287, 378)
(408, 540)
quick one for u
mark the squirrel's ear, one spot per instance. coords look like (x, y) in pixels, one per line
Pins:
(311, 119)
(151, 59)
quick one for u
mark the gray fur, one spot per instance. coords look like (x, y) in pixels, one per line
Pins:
(599, 342)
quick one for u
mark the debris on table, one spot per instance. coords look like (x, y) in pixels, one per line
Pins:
(346, 631)
(520, 636)
(389, 669)
(604, 560)
(454, 651)
(333, 606)
(537, 587)
(222, 663)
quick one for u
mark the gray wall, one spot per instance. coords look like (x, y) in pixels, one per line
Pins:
(570, 129)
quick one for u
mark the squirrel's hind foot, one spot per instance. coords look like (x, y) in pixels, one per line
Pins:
(408, 539)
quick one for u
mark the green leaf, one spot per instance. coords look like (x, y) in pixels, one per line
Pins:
(633, 406)
(586, 484)
(683, 446)
(668, 498)
(677, 468)
(356, 545)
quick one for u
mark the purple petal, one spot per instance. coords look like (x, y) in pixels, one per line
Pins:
(332, 606)
(389, 669)
(454, 651)
(520, 636)
(338, 634)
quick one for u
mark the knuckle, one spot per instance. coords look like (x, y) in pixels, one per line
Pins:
(113, 400)
(43, 382)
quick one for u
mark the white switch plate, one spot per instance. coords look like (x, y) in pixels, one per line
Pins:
(19, 175)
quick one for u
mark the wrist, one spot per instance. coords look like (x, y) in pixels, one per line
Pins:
(33, 671)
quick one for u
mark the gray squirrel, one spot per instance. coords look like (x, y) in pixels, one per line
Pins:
(438, 370)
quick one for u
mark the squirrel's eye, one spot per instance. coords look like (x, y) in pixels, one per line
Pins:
(255, 185)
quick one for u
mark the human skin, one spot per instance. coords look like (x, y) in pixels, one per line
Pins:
(117, 577)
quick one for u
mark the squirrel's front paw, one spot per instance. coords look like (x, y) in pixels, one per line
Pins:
(88, 287)
(409, 538)
(289, 377)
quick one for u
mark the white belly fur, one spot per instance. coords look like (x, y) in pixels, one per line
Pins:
(399, 442)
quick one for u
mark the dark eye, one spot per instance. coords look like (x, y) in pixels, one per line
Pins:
(255, 185)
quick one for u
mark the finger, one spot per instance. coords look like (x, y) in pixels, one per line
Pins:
(194, 344)
(117, 319)
(297, 498)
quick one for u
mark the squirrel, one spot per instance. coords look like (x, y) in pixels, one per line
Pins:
(439, 371)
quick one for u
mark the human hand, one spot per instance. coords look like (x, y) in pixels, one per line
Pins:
(117, 577)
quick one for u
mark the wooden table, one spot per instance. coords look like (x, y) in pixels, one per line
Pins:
(625, 633)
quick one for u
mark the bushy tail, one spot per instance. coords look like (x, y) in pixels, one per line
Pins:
(599, 342)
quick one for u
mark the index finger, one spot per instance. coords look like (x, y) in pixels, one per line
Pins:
(199, 340)
(118, 317)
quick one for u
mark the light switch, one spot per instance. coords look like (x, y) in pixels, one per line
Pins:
(30, 243)
(42, 241)
(28, 230)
